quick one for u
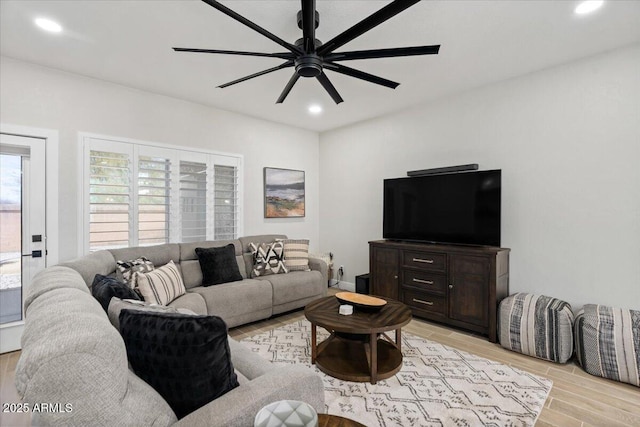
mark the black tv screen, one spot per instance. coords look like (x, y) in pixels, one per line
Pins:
(460, 208)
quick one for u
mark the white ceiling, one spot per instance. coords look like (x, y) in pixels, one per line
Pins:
(129, 42)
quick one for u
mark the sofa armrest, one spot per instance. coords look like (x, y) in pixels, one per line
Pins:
(319, 265)
(240, 406)
(247, 362)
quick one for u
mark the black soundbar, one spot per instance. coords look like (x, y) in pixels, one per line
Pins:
(448, 169)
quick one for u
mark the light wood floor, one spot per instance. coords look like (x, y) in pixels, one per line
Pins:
(576, 399)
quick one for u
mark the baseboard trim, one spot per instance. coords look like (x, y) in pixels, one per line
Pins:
(345, 286)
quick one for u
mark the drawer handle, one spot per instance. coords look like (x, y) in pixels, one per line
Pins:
(428, 261)
(426, 282)
(423, 302)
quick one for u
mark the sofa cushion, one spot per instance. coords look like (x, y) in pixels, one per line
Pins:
(190, 266)
(159, 254)
(104, 288)
(117, 305)
(218, 265)
(268, 258)
(238, 302)
(296, 254)
(99, 262)
(295, 286)
(162, 285)
(184, 358)
(190, 301)
(127, 269)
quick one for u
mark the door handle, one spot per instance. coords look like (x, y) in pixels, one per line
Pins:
(34, 254)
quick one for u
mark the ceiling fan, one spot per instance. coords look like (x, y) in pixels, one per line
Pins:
(310, 57)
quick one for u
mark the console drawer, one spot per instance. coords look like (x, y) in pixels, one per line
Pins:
(425, 260)
(424, 301)
(425, 281)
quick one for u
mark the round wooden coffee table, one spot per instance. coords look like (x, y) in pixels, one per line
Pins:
(358, 349)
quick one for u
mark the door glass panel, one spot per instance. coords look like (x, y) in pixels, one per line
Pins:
(10, 238)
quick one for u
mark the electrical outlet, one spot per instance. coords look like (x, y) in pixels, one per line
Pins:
(341, 270)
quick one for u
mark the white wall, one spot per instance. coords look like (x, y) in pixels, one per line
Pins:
(568, 142)
(40, 97)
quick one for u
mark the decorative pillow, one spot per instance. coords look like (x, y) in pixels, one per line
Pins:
(117, 305)
(268, 258)
(104, 288)
(296, 254)
(162, 285)
(184, 358)
(127, 269)
(218, 265)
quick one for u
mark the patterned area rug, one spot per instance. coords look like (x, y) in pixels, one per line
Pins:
(437, 385)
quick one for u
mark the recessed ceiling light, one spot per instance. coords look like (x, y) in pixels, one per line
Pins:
(315, 109)
(588, 6)
(48, 25)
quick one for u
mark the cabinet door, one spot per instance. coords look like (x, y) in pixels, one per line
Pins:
(469, 289)
(384, 268)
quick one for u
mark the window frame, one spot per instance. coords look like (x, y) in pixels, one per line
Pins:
(176, 154)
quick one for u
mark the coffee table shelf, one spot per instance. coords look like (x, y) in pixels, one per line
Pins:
(347, 360)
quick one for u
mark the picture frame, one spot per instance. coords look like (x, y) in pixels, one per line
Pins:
(284, 193)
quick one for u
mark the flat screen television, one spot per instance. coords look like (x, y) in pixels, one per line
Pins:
(459, 208)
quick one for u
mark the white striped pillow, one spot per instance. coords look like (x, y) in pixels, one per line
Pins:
(296, 254)
(162, 285)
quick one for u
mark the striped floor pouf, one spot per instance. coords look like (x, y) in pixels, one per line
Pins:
(608, 342)
(537, 325)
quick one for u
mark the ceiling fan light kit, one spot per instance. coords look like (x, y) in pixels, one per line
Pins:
(310, 57)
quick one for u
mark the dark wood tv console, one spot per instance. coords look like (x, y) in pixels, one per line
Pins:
(456, 285)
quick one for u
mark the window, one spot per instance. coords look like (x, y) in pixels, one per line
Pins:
(109, 199)
(193, 201)
(154, 200)
(226, 201)
(139, 194)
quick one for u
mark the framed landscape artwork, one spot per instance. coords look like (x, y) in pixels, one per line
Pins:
(283, 193)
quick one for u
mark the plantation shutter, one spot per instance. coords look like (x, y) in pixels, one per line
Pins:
(109, 199)
(142, 194)
(154, 200)
(225, 202)
(193, 201)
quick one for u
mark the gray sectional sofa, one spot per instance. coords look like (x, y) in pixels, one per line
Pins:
(72, 355)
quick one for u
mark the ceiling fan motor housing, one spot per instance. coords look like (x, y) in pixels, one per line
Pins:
(309, 65)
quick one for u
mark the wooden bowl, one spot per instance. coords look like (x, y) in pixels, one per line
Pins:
(360, 301)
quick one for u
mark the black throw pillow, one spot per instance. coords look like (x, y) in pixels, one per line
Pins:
(185, 358)
(104, 288)
(218, 265)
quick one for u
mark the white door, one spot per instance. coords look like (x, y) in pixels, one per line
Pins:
(22, 229)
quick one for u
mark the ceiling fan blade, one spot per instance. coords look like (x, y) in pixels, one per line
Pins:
(339, 68)
(372, 21)
(217, 5)
(383, 53)
(288, 88)
(309, 25)
(326, 84)
(283, 55)
(258, 74)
